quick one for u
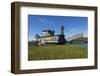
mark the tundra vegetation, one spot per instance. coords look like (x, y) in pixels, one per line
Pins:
(53, 51)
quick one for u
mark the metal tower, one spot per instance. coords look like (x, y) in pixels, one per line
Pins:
(62, 30)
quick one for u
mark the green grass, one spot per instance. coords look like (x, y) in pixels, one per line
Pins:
(52, 52)
(81, 39)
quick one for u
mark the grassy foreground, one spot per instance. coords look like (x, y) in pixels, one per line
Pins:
(51, 52)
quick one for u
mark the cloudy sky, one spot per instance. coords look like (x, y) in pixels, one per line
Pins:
(72, 24)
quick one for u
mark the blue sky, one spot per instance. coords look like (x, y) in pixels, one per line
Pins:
(72, 24)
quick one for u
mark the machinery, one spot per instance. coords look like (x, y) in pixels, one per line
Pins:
(49, 37)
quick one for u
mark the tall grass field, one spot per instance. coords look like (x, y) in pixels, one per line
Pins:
(52, 52)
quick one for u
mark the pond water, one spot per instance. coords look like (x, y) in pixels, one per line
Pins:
(83, 44)
(80, 44)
